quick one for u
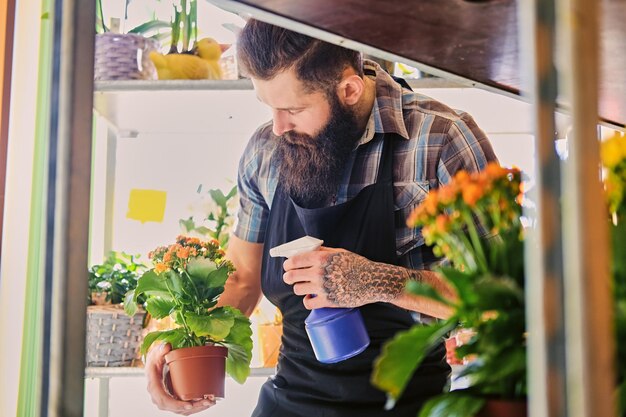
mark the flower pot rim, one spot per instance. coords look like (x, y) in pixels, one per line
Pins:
(196, 351)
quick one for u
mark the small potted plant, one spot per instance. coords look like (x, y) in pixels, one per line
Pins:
(113, 338)
(475, 223)
(186, 282)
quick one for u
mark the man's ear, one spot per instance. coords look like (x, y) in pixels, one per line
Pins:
(351, 89)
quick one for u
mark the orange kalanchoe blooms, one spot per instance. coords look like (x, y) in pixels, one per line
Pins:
(177, 255)
(481, 203)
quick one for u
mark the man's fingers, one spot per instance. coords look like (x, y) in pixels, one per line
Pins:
(303, 275)
(319, 301)
(304, 288)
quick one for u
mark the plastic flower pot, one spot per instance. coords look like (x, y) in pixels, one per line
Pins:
(197, 372)
(498, 408)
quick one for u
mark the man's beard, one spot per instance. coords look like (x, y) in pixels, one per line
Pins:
(311, 167)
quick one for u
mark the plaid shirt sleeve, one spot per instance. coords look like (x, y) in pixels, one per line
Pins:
(466, 148)
(253, 210)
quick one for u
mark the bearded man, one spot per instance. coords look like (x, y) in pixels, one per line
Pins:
(348, 154)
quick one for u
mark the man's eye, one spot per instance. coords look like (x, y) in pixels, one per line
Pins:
(292, 112)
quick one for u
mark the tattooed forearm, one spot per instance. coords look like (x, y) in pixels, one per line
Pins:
(351, 280)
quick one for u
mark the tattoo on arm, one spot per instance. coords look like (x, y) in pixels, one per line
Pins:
(351, 280)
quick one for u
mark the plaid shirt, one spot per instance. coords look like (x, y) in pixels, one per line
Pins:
(436, 142)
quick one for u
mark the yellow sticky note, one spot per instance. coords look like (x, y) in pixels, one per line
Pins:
(146, 205)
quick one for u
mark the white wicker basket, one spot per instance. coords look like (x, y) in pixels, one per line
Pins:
(113, 338)
(124, 57)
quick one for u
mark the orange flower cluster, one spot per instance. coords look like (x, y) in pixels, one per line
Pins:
(177, 255)
(490, 198)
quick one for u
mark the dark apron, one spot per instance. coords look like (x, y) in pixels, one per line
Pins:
(303, 386)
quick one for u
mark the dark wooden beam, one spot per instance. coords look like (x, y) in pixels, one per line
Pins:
(476, 41)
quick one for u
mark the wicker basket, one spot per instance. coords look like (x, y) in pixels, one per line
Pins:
(113, 338)
(124, 57)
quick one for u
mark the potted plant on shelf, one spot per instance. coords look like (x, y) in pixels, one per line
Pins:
(613, 154)
(125, 56)
(186, 282)
(113, 338)
(475, 223)
(188, 57)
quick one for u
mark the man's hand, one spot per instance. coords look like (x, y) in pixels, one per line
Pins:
(338, 278)
(155, 360)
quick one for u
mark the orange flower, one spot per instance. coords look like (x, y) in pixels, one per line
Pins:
(183, 253)
(461, 177)
(471, 194)
(448, 193)
(431, 202)
(160, 267)
(441, 223)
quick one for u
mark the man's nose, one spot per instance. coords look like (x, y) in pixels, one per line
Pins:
(281, 123)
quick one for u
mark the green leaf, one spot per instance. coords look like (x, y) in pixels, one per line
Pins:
(462, 283)
(153, 285)
(130, 303)
(232, 193)
(200, 268)
(216, 324)
(148, 26)
(423, 289)
(218, 196)
(452, 404)
(498, 293)
(187, 224)
(621, 399)
(239, 343)
(403, 354)
(175, 283)
(174, 337)
(159, 308)
(218, 277)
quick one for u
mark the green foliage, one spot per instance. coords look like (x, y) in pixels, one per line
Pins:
(454, 404)
(475, 223)
(116, 276)
(185, 284)
(216, 218)
(618, 240)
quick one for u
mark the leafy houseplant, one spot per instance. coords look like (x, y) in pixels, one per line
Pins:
(111, 280)
(613, 154)
(113, 338)
(186, 282)
(216, 211)
(475, 223)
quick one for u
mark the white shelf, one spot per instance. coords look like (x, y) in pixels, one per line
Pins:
(192, 106)
(132, 371)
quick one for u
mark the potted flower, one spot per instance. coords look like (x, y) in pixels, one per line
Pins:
(613, 154)
(186, 282)
(113, 338)
(475, 223)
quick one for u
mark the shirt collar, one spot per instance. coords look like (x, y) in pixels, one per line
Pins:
(386, 116)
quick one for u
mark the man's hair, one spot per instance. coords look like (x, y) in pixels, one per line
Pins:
(264, 50)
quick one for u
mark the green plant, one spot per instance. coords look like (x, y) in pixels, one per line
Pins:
(152, 28)
(613, 153)
(117, 275)
(216, 217)
(475, 223)
(186, 282)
